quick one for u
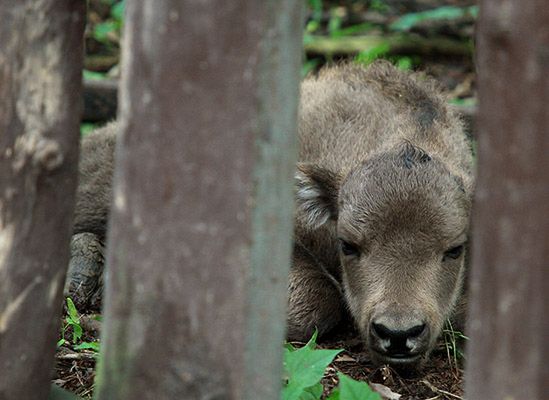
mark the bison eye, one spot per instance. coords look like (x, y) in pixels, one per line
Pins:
(348, 249)
(453, 253)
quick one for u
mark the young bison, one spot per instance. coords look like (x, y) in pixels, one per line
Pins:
(383, 189)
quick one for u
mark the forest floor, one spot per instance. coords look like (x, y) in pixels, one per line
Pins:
(442, 377)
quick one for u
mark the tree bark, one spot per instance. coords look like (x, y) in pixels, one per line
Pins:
(508, 327)
(40, 79)
(200, 234)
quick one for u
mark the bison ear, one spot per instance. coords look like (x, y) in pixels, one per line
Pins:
(316, 194)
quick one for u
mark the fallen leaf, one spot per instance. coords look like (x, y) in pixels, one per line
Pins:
(345, 358)
(385, 392)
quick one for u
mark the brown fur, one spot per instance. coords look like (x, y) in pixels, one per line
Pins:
(94, 191)
(384, 164)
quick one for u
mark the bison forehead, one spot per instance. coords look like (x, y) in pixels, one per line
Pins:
(386, 198)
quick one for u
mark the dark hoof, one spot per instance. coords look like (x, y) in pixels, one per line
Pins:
(84, 284)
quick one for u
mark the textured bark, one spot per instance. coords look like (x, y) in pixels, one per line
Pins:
(40, 80)
(509, 328)
(200, 234)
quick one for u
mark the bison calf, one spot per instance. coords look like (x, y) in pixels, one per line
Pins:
(384, 187)
(383, 190)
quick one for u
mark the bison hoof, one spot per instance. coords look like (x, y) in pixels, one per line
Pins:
(84, 284)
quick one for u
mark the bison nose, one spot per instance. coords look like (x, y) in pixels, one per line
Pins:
(401, 342)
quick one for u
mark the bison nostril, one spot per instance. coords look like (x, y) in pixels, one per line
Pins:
(415, 331)
(382, 331)
(398, 342)
(386, 333)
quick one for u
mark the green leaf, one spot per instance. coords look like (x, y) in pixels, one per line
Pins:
(307, 38)
(379, 6)
(290, 346)
(355, 390)
(61, 342)
(355, 29)
(94, 76)
(56, 393)
(312, 26)
(312, 393)
(73, 313)
(316, 8)
(311, 344)
(87, 127)
(309, 66)
(103, 29)
(368, 56)
(404, 63)
(87, 346)
(334, 24)
(410, 20)
(304, 368)
(335, 395)
(117, 11)
(470, 101)
(76, 333)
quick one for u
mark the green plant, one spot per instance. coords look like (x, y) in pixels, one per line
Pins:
(92, 75)
(304, 369)
(366, 57)
(410, 20)
(308, 66)
(349, 389)
(470, 101)
(73, 321)
(335, 22)
(105, 31)
(379, 6)
(452, 341)
(316, 8)
(356, 29)
(87, 127)
(88, 346)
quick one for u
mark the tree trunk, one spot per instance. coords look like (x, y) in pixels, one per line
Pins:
(40, 80)
(200, 233)
(509, 328)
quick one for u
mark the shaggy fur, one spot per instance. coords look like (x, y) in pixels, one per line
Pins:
(385, 174)
(383, 189)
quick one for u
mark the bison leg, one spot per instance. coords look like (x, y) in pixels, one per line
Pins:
(85, 274)
(315, 299)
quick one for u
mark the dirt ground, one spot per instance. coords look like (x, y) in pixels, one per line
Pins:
(440, 379)
(75, 369)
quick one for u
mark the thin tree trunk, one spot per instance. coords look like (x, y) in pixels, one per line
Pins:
(509, 328)
(40, 80)
(200, 233)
